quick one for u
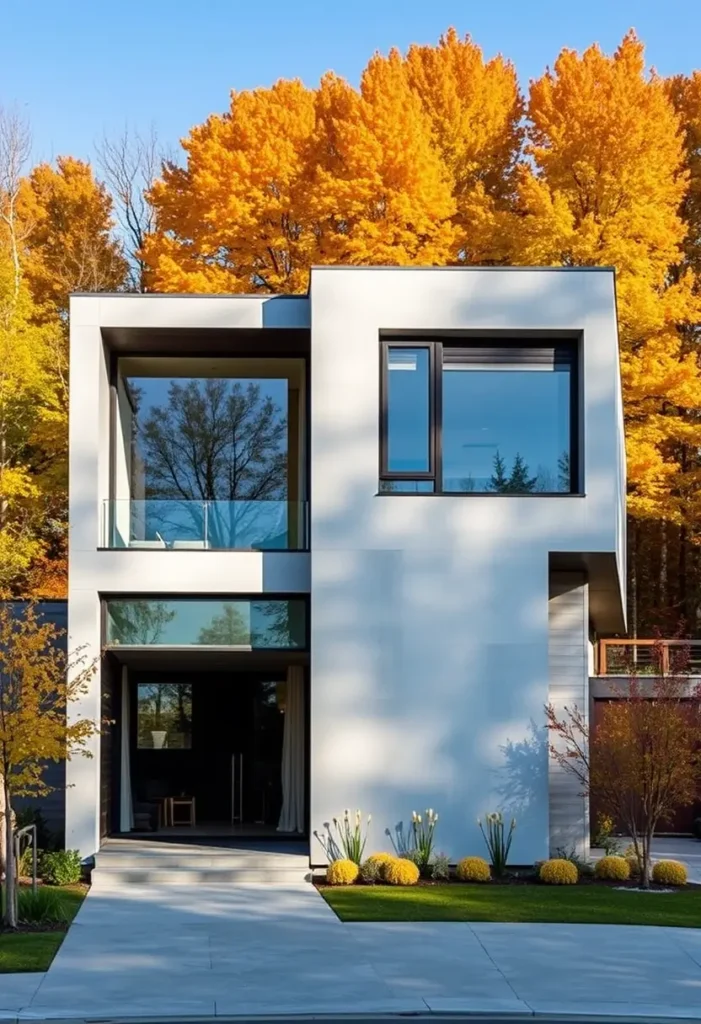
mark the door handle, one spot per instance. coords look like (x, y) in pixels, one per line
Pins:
(241, 788)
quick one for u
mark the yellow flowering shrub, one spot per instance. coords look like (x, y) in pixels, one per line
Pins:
(614, 869)
(559, 872)
(473, 869)
(401, 872)
(669, 872)
(342, 872)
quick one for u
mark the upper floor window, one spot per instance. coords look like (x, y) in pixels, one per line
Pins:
(473, 419)
(208, 453)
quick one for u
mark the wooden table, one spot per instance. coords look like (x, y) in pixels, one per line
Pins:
(171, 802)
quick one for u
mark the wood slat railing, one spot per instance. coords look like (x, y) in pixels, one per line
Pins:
(614, 657)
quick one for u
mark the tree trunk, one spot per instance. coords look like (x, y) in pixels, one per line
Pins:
(645, 874)
(3, 859)
(10, 915)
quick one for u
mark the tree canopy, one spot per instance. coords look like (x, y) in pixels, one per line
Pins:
(437, 157)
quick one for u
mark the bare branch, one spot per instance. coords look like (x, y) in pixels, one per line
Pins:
(130, 164)
(15, 147)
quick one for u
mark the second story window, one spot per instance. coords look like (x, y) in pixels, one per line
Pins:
(478, 418)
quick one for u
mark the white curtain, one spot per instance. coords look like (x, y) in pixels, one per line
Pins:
(292, 813)
(126, 809)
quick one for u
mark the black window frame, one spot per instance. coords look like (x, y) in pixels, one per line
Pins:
(480, 349)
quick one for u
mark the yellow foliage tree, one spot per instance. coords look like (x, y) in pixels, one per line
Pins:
(37, 681)
(68, 223)
(28, 407)
(605, 188)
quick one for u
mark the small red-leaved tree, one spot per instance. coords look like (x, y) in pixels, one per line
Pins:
(642, 761)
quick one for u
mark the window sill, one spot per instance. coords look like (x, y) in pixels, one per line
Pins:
(477, 494)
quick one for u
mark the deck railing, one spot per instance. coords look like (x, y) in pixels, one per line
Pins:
(615, 657)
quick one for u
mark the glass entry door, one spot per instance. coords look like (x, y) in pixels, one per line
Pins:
(215, 736)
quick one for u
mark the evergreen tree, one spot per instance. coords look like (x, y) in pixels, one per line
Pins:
(499, 481)
(519, 481)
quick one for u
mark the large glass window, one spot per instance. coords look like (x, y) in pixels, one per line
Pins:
(501, 422)
(206, 622)
(208, 453)
(164, 716)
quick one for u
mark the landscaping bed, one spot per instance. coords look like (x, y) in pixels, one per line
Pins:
(584, 903)
(32, 947)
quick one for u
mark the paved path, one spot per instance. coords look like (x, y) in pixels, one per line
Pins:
(166, 951)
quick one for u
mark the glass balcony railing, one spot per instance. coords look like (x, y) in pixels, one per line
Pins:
(154, 524)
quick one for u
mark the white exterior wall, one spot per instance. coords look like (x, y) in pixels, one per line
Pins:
(430, 613)
(94, 572)
(433, 649)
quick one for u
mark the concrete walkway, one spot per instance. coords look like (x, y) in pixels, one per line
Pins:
(259, 949)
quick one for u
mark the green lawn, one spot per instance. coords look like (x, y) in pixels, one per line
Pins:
(34, 951)
(587, 904)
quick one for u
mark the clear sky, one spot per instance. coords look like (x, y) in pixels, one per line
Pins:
(82, 68)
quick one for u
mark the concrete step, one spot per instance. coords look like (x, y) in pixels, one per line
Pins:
(124, 862)
(121, 861)
(184, 875)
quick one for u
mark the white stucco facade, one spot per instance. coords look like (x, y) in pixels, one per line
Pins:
(440, 624)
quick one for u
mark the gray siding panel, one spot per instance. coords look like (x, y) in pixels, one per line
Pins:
(568, 664)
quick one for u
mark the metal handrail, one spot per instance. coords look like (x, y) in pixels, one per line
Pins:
(31, 831)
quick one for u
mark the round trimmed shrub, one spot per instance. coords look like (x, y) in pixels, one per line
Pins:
(669, 872)
(559, 872)
(401, 872)
(380, 862)
(342, 872)
(613, 869)
(473, 869)
(370, 872)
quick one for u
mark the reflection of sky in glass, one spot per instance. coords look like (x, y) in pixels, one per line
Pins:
(485, 412)
(408, 409)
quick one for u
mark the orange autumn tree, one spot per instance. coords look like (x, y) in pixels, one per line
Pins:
(605, 187)
(642, 762)
(411, 168)
(475, 110)
(69, 241)
(380, 193)
(68, 245)
(234, 218)
(37, 680)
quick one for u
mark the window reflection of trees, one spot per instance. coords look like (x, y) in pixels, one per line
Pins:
(270, 624)
(165, 707)
(209, 456)
(138, 622)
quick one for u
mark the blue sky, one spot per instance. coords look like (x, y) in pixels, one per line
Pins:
(82, 68)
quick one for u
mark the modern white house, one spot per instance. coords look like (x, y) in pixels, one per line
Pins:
(340, 550)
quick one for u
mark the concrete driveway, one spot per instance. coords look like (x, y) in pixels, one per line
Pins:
(259, 949)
